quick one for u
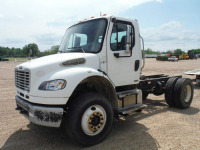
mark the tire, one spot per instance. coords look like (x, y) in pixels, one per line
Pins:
(144, 95)
(169, 91)
(89, 119)
(183, 93)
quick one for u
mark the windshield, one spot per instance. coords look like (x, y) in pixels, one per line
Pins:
(84, 37)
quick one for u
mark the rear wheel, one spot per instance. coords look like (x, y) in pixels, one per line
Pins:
(89, 118)
(183, 93)
(169, 91)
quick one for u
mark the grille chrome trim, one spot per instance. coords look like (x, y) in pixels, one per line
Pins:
(22, 79)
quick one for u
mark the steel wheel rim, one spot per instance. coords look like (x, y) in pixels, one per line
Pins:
(187, 93)
(93, 120)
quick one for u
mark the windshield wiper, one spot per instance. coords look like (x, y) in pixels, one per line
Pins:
(82, 49)
(77, 47)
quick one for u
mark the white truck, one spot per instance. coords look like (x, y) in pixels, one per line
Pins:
(95, 77)
(173, 58)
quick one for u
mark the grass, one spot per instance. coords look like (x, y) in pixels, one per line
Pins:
(18, 59)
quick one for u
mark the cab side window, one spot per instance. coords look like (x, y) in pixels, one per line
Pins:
(118, 39)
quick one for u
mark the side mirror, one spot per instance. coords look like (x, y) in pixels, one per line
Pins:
(128, 39)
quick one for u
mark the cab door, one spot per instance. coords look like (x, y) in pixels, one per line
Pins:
(123, 53)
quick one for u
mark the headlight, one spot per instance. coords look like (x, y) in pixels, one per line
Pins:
(53, 85)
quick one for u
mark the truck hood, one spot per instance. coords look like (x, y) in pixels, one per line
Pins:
(48, 67)
(54, 62)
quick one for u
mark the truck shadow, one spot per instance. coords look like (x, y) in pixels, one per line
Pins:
(125, 134)
(159, 106)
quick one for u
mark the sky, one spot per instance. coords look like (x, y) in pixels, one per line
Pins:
(164, 24)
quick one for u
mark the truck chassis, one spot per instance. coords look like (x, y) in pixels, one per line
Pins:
(171, 86)
(195, 72)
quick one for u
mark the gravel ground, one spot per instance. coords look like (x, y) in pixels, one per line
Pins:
(157, 127)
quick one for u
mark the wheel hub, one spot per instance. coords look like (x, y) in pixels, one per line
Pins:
(187, 93)
(95, 121)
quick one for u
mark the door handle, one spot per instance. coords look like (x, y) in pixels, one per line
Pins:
(137, 64)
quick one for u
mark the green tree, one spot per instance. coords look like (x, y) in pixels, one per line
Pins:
(179, 52)
(196, 51)
(150, 51)
(168, 52)
(54, 49)
(32, 47)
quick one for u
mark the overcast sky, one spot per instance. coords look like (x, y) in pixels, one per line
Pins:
(164, 24)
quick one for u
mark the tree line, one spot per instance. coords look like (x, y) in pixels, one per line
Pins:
(29, 50)
(33, 51)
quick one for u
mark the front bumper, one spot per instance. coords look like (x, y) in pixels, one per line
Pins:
(42, 115)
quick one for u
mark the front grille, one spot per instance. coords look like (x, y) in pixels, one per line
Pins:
(22, 80)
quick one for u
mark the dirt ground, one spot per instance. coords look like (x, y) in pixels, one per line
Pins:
(157, 127)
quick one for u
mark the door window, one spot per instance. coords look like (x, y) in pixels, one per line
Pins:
(118, 39)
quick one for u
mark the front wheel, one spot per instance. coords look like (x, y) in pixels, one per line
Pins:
(89, 118)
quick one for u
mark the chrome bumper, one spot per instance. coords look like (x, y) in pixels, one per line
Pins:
(41, 115)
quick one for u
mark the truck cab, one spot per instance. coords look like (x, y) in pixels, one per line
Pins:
(93, 79)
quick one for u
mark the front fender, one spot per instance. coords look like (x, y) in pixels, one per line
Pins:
(73, 76)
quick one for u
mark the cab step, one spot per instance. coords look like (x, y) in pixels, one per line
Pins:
(128, 93)
(131, 109)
